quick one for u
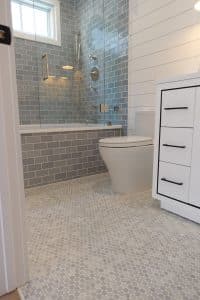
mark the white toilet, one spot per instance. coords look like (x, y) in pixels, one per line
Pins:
(129, 160)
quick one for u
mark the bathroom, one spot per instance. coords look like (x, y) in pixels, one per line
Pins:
(99, 165)
(51, 95)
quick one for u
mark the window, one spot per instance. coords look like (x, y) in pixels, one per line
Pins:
(37, 20)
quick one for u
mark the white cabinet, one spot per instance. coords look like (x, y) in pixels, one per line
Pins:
(195, 170)
(178, 107)
(173, 181)
(176, 181)
(176, 145)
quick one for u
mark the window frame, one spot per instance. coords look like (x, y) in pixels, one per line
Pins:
(54, 19)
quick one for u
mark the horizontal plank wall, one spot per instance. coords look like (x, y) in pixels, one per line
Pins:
(164, 41)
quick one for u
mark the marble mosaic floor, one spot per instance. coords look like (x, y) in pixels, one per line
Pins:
(86, 243)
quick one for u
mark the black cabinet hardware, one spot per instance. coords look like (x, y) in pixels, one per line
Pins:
(170, 181)
(176, 108)
(174, 146)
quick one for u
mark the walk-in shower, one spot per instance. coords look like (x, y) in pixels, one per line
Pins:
(71, 61)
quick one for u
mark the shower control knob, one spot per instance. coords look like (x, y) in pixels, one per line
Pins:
(94, 57)
(94, 73)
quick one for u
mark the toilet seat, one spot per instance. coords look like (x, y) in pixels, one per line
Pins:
(126, 141)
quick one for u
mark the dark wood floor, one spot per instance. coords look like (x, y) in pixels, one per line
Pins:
(11, 296)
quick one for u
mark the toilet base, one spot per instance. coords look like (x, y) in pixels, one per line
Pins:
(130, 168)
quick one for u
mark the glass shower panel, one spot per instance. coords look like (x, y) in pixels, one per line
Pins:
(80, 77)
(91, 24)
(116, 61)
(71, 84)
(59, 103)
(62, 80)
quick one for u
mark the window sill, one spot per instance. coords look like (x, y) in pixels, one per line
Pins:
(38, 39)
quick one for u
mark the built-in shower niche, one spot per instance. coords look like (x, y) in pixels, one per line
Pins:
(57, 100)
(68, 68)
(48, 72)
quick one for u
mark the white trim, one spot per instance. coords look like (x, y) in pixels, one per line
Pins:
(56, 28)
(12, 236)
(25, 129)
(31, 37)
(3, 272)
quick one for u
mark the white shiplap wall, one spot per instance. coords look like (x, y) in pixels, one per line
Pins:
(164, 41)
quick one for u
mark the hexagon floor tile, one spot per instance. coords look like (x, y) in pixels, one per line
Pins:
(87, 243)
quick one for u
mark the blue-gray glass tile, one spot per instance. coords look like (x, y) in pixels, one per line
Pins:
(103, 26)
(56, 156)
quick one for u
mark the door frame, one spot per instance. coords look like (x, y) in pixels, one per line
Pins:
(13, 256)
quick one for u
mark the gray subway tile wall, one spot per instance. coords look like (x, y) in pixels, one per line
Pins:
(92, 25)
(48, 101)
(104, 32)
(116, 60)
(52, 157)
(27, 81)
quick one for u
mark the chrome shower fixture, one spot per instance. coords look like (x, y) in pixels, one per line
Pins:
(92, 57)
(94, 74)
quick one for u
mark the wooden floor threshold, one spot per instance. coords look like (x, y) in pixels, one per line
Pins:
(12, 296)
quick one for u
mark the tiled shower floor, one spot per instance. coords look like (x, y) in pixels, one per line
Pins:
(86, 243)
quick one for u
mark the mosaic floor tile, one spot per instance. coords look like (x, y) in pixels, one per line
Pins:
(87, 243)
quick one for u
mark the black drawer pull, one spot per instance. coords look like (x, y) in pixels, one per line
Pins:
(176, 108)
(170, 181)
(174, 146)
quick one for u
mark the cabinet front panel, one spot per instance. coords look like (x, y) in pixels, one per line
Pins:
(195, 165)
(176, 145)
(173, 181)
(178, 107)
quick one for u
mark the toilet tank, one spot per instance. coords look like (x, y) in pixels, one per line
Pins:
(145, 123)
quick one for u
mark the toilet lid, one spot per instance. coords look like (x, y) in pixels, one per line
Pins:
(126, 141)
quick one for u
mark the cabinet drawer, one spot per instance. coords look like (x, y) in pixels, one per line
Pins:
(178, 107)
(174, 181)
(176, 145)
